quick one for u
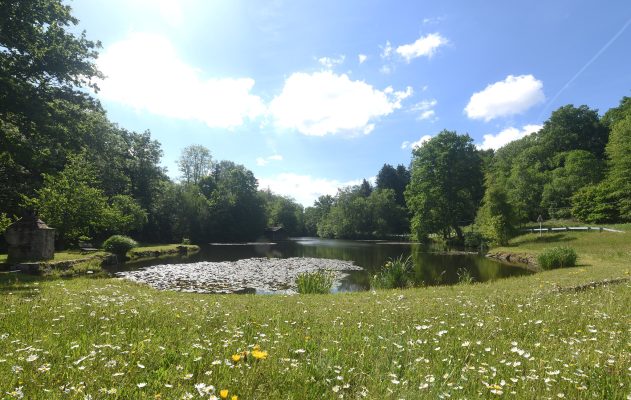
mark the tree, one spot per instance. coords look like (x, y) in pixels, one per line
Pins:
(576, 169)
(446, 185)
(283, 211)
(43, 68)
(195, 163)
(313, 215)
(619, 175)
(396, 179)
(574, 128)
(71, 203)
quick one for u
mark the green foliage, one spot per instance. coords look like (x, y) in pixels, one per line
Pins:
(71, 202)
(395, 274)
(125, 214)
(283, 211)
(354, 215)
(195, 163)
(396, 179)
(119, 245)
(446, 185)
(464, 276)
(557, 257)
(619, 175)
(595, 204)
(317, 282)
(496, 218)
(576, 169)
(5, 221)
(474, 240)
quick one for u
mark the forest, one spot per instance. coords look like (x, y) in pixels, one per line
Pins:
(84, 175)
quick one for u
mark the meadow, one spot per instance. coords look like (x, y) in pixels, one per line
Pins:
(548, 335)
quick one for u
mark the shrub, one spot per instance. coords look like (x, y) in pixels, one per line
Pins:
(395, 273)
(119, 245)
(186, 241)
(318, 282)
(557, 257)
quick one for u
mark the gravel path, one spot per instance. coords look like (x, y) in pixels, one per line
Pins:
(263, 274)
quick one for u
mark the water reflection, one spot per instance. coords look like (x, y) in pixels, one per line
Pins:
(431, 265)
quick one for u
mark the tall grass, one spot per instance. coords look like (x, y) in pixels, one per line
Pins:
(557, 257)
(395, 274)
(317, 282)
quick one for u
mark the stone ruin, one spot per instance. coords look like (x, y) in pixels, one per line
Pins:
(30, 239)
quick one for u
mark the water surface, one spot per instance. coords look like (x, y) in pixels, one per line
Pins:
(432, 265)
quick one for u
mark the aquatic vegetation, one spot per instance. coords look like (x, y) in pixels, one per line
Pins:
(316, 282)
(396, 273)
(557, 257)
(464, 276)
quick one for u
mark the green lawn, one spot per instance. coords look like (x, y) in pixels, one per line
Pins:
(517, 337)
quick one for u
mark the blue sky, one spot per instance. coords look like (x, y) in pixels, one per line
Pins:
(313, 95)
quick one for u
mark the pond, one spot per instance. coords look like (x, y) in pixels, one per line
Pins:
(432, 264)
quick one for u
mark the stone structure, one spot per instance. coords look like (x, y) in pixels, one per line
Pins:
(30, 239)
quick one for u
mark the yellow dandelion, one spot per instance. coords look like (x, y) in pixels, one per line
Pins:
(259, 354)
(223, 393)
(236, 357)
(235, 397)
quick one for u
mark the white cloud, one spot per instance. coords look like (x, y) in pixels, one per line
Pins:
(263, 161)
(513, 95)
(326, 103)
(144, 71)
(418, 143)
(425, 108)
(329, 62)
(424, 46)
(386, 50)
(305, 189)
(506, 136)
(362, 58)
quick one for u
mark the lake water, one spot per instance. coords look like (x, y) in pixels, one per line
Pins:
(432, 265)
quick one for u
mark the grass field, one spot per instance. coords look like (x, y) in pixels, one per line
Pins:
(533, 337)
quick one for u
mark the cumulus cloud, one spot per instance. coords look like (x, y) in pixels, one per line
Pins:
(425, 108)
(425, 46)
(305, 189)
(144, 71)
(513, 95)
(418, 143)
(324, 103)
(330, 62)
(263, 161)
(362, 58)
(506, 136)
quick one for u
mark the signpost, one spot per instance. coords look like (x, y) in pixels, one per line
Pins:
(540, 220)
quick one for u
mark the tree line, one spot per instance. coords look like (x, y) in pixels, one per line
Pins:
(61, 157)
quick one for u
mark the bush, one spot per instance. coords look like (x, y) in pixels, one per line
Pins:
(119, 245)
(557, 257)
(395, 273)
(318, 282)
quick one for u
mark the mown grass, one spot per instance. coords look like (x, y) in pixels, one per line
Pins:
(161, 248)
(517, 337)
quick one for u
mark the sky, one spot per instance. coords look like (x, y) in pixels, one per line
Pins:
(315, 95)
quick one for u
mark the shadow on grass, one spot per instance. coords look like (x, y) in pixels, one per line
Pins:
(553, 238)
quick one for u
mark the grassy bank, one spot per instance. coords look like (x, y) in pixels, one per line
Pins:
(518, 337)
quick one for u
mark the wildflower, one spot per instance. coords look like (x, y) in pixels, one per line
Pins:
(259, 354)
(223, 393)
(141, 385)
(234, 397)
(236, 358)
(32, 357)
